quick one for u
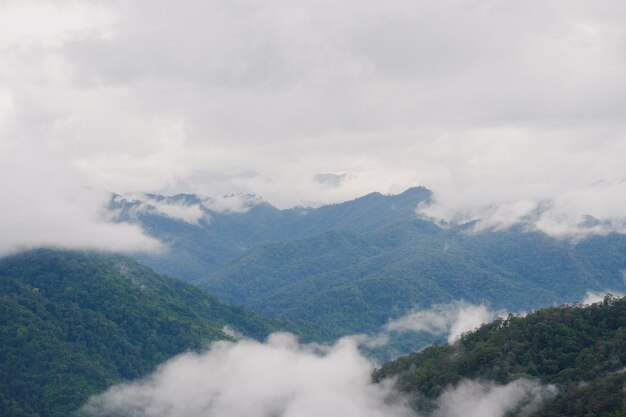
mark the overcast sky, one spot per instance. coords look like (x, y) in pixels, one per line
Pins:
(499, 107)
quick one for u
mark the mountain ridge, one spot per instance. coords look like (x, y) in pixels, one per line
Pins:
(352, 266)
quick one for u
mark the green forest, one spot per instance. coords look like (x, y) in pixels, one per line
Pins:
(580, 349)
(73, 324)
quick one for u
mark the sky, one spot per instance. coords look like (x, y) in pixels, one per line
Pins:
(508, 111)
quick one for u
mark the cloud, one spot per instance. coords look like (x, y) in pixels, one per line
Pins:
(232, 203)
(277, 378)
(43, 205)
(47, 22)
(329, 179)
(187, 213)
(185, 207)
(451, 319)
(282, 378)
(592, 297)
(508, 113)
(485, 399)
(540, 198)
(178, 209)
(230, 332)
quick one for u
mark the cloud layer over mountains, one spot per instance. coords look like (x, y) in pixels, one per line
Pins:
(508, 111)
(282, 378)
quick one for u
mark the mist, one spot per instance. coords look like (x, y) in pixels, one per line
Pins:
(486, 399)
(46, 204)
(276, 378)
(451, 319)
(283, 378)
(592, 297)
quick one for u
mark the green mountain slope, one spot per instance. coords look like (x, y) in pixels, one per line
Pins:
(72, 324)
(580, 349)
(349, 282)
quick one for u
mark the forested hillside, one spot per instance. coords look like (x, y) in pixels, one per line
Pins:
(360, 280)
(72, 324)
(582, 350)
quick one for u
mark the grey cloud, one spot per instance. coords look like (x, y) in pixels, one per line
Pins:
(497, 107)
(329, 179)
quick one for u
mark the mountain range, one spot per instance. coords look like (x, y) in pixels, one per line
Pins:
(75, 323)
(352, 267)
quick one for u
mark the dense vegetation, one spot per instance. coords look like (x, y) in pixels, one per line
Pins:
(350, 267)
(580, 349)
(72, 324)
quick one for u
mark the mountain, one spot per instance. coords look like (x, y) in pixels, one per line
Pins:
(220, 236)
(351, 267)
(72, 324)
(581, 350)
(355, 282)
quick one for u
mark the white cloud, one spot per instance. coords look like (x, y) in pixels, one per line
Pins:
(232, 203)
(592, 297)
(277, 378)
(43, 205)
(282, 378)
(230, 332)
(545, 183)
(483, 399)
(187, 213)
(173, 208)
(451, 319)
(188, 210)
(470, 318)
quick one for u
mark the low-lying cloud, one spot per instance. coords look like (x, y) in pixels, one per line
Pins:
(452, 319)
(232, 203)
(183, 207)
(46, 205)
(486, 399)
(592, 297)
(248, 378)
(174, 209)
(573, 216)
(282, 378)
